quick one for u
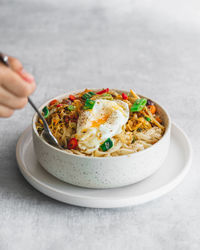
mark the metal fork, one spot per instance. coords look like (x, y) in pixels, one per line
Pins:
(48, 136)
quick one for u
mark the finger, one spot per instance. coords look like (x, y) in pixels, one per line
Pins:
(5, 111)
(12, 82)
(26, 76)
(9, 100)
(15, 64)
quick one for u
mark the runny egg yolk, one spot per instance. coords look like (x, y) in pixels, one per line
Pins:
(102, 120)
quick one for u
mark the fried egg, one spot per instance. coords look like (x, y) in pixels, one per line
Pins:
(104, 121)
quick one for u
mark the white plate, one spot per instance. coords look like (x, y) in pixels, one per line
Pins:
(164, 180)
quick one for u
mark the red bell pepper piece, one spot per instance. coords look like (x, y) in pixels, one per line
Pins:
(72, 97)
(59, 105)
(53, 102)
(102, 91)
(124, 96)
(73, 143)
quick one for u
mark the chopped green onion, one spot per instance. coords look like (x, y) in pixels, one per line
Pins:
(139, 129)
(106, 145)
(147, 118)
(138, 105)
(88, 95)
(107, 96)
(45, 110)
(91, 93)
(89, 104)
(71, 107)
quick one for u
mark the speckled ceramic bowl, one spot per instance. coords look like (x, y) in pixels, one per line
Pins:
(98, 172)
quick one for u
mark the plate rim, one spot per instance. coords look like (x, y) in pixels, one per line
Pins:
(85, 201)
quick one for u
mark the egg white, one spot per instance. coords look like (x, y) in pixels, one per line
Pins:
(104, 121)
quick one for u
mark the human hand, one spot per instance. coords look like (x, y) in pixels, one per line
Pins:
(15, 87)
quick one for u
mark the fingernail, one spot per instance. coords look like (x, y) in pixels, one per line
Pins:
(26, 76)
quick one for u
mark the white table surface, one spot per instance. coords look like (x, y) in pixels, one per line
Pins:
(150, 46)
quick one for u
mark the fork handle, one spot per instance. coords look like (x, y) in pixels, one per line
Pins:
(39, 114)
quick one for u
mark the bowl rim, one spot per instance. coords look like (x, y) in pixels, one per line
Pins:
(167, 128)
